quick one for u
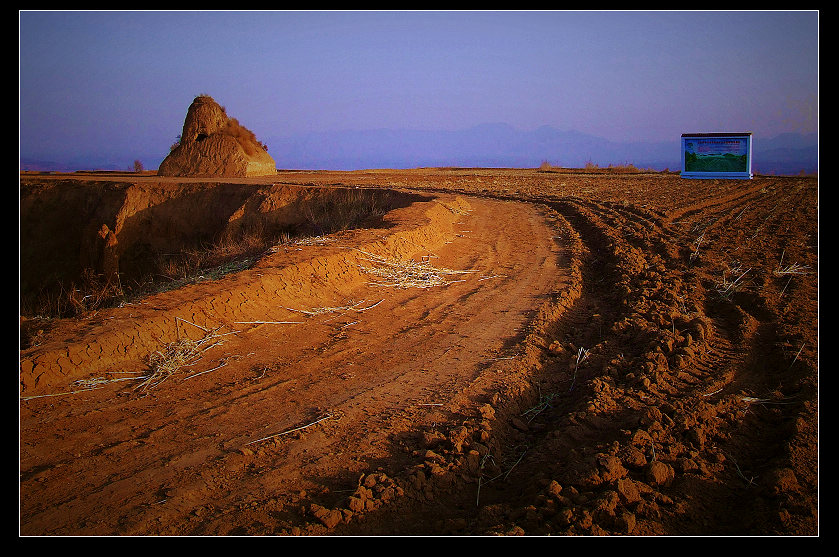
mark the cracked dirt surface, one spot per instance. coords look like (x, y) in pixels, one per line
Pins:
(623, 354)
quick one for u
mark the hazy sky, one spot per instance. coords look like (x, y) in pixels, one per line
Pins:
(100, 82)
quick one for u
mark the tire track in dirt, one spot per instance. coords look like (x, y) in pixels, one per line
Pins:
(711, 356)
(656, 429)
(769, 382)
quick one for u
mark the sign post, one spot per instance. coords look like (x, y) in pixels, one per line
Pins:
(717, 155)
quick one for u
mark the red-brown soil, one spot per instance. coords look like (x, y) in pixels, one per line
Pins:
(628, 354)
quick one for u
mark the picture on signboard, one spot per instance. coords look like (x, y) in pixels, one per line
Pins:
(716, 155)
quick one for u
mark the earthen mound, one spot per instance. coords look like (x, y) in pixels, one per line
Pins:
(213, 144)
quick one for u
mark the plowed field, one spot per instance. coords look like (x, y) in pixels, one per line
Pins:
(493, 352)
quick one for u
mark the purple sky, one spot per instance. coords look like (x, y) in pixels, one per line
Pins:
(120, 82)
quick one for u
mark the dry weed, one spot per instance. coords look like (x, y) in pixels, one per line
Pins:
(725, 288)
(174, 356)
(162, 364)
(794, 269)
(336, 309)
(408, 273)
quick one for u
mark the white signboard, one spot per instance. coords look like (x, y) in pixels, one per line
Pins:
(717, 155)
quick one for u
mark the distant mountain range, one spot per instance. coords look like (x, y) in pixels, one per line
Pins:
(486, 145)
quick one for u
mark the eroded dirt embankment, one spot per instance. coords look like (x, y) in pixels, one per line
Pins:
(156, 218)
(70, 228)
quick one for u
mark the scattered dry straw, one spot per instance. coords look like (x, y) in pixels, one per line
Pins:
(162, 364)
(292, 430)
(408, 273)
(794, 269)
(728, 287)
(174, 356)
(336, 309)
(88, 384)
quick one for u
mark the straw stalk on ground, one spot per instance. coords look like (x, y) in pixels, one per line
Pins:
(727, 287)
(408, 273)
(174, 356)
(793, 269)
(336, 309)
(582, 354)
(292, 430)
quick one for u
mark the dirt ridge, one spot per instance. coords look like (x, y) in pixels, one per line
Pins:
(124, 337)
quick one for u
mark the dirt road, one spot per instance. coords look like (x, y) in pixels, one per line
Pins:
(372, 361)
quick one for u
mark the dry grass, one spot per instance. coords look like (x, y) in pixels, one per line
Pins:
(726, 287)
(175, 356)
(246, 138)
(408, 273)
(92, 292)
(89, 293)
(620, 168)
(336, 309)
(698, 242)
(171, 359)
(790, 271)
(346, 208)
(582, 355)
(232, 251)
(793, 269)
